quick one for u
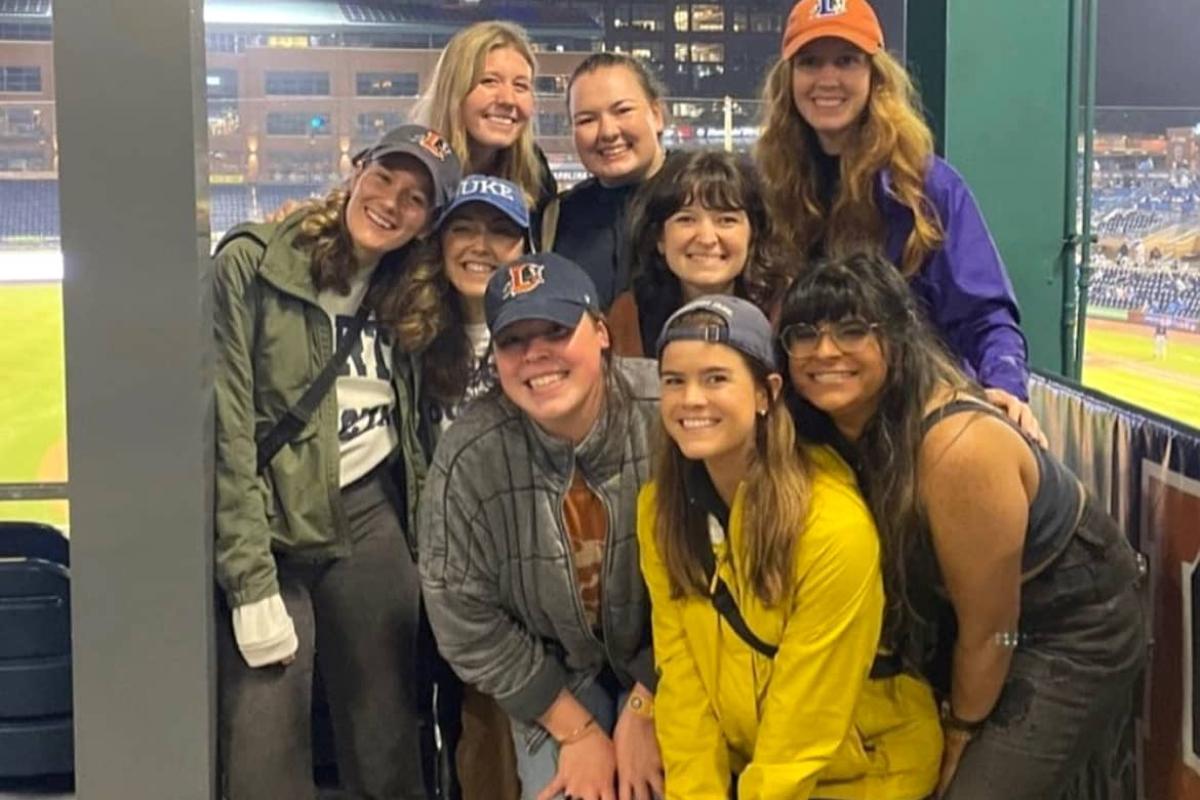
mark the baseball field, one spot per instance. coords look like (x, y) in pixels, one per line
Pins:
(1120, 360)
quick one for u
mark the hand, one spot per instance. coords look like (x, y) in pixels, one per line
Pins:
(586, 769)
(956, 743)
(1018, 412)
(639, 763)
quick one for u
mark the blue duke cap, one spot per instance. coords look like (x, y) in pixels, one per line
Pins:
(544, 286)
(498, 193)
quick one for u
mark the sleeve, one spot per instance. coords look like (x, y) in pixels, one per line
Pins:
(694, 752)
(977, 309)
(244, 565)
(829, 642)
(484, 644)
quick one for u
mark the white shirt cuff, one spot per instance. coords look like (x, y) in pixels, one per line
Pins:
(264, 631)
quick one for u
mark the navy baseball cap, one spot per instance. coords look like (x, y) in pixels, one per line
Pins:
(746, 329)
(427, 146)
(496, 192)
(543, 286)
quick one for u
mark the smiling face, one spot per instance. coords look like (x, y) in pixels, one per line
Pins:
(845, 385)
(831, 83)
(710, 401)
(616, 126)
(553, 373)
(499, 106)
(476, 240)
(705, 248)
(390, 204)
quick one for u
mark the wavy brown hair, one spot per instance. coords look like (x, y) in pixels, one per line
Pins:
(868, 287)
(892, 136)
(407, 298)
(456, 74)
(715, 180)
(775, 500)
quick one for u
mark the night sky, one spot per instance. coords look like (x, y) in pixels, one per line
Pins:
(1149, 53)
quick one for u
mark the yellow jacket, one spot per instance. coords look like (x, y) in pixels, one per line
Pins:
(807, 723)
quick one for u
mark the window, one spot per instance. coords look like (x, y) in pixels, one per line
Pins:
(765, 22)
(222, 84)
(647, 18)
(314, 169)
(223, 118)
(306, 84)
(681, 52)
(25, 31)
(288, 123)
(20, 79)
(553, 124)
(741, 22)
(708, 70)
(17, 122)
(647, 51)
(709, 53)
(550, 84)
(287, 41)
(681, 17)
(708, 18)
(375, 123)
(387, 84)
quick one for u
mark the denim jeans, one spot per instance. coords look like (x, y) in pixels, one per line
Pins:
(1082, 647)
(358, 618)
(537, 769)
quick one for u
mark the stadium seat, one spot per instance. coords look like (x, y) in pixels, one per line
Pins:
(36, 736)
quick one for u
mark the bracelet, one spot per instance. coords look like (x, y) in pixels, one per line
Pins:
(579, 734)
(955, 723)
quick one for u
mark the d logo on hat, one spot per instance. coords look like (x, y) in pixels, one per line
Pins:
(435, 145)
(523, 278)
(829, 8)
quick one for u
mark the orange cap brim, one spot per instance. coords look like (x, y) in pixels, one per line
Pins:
(863, 41)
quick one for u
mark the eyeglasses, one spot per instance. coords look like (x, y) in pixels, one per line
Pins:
(849, 335)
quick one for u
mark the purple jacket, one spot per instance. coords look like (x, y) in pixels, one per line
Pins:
(963, 286)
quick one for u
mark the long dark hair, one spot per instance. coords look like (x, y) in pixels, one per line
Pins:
(715, 180)
(871, 288)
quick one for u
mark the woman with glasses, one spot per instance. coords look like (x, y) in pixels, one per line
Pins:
(763, 569)
(848, 164)
(977, 521)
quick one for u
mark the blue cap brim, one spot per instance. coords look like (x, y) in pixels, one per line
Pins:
(561, 312)
(522, 221)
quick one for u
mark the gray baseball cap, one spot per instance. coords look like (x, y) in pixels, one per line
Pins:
(746, 329)
(427, 146)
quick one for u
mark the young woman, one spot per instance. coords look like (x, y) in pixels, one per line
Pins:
(311, 553)
(528, 552)
(483, 228)
(699, 227)
(617, 117)
(735, 511)
(481, 95)
(848, 163)
(1050, 630)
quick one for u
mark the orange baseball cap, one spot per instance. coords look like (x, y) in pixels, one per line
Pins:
(852, 20)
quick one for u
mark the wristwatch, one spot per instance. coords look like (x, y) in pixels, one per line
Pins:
(642, 705)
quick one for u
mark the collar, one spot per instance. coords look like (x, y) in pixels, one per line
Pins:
(702, 493)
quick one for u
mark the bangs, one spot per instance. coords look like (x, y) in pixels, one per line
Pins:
(716, 191)
(828, 295)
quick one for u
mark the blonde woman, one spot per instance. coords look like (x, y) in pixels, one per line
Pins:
(763, 567)
(481, 96)
(848, 164)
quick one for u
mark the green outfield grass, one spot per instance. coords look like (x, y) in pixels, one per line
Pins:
(33, 416)
(1119, 360)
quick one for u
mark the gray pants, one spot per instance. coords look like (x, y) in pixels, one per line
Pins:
(1083, 646)
(358, 617)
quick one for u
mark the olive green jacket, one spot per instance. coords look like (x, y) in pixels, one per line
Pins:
(272, 340)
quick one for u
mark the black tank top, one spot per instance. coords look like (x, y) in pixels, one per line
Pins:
(1055, 509)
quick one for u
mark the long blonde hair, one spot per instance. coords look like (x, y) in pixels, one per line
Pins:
(775, 502)
(892, 136)
(456, 74)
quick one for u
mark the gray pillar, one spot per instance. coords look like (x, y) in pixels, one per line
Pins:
(136, 294)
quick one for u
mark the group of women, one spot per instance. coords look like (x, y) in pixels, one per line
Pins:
(711, 478)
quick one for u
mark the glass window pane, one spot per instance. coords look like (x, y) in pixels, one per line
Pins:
(387, 84)
(681, 17)
(708, 18)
